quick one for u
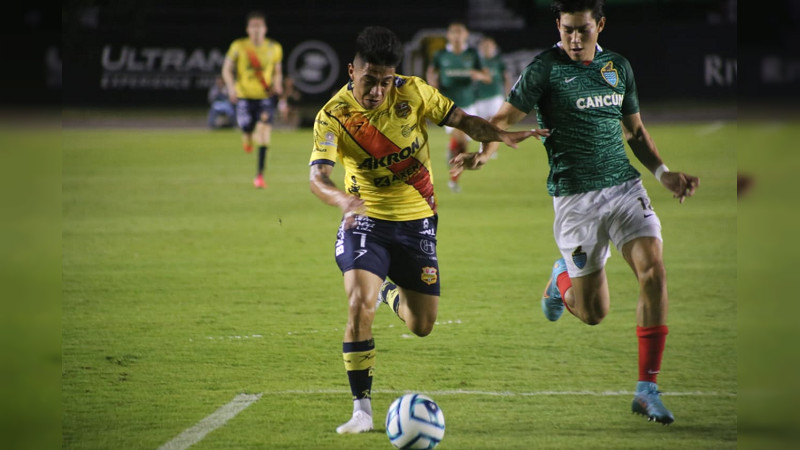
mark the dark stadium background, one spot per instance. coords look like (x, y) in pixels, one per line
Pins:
(680, 50)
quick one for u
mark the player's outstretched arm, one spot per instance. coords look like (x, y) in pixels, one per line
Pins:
(504, 118)
(681, 184)
(325, 189)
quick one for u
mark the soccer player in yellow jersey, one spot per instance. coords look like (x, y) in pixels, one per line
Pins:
(376, 125)
(255, 86)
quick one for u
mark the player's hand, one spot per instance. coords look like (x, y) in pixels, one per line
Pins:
(351, 205)
(466, 161)
(511, 138)
(232, 97)
(681, 184)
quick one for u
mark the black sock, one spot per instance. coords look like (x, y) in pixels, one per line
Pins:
(359, 361)
(262, 158)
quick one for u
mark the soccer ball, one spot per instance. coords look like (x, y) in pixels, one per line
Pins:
(414, 421)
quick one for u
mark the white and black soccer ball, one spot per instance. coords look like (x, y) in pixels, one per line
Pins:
(414, 421)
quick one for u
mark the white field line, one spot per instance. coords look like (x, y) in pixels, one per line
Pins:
(227, 412)
(502, 393)
(711, 128)
(305, 332)
(217, 419)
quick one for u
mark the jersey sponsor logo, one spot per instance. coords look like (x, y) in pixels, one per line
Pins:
(610, 74)
(599, 101)
(392, 158)
(569, 80)
(428, 247)
(406, 129)
(429, 275)
(579, 257)
(400, 176)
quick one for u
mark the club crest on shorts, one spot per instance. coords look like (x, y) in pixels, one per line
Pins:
(579, 257)
(610, 74)
(429, 275)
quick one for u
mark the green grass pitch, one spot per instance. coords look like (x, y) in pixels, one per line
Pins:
(183, 287)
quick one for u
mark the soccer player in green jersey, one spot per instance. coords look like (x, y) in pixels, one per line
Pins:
(490, 95)
(452, 71)
(377, 126)
(586, 96)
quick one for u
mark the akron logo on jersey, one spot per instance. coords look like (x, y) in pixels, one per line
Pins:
(610, 74)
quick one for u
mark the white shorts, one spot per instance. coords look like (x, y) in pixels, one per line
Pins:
(584, 224)
(467, 109)
(488, 107)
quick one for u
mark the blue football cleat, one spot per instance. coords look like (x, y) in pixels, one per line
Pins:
(647, 402)
(552, 304)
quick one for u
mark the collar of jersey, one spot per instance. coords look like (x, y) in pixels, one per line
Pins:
(597, 51)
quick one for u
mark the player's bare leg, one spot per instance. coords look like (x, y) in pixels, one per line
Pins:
(416, 309)
(458, 144)
(247, 142)
(644, 255)
(262, 137)
(588, 298)
(358, 348)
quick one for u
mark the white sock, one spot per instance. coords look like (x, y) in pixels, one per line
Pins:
(363, 404)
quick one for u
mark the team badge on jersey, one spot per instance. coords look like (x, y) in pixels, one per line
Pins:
(610, 74)
(579, 257)
(429, 275)
(402, 109)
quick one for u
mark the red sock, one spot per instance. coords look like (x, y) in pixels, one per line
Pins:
(651, 347)
(563, 282)
(455, 149)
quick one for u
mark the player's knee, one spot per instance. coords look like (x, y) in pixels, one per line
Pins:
(361, 311)
(595, 316)
(423, 328)
(653, 278)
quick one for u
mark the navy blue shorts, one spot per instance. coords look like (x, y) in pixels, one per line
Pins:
(403, 251)
(249, 111)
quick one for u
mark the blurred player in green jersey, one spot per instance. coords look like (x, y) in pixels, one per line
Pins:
(586, 95)
(452, 71)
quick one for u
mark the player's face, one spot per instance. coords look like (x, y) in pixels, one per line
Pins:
(579, 32)
(371, 83)
(457, 35)
(256, 29)
(488, 48)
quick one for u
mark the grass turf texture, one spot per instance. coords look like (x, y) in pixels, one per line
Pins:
(183, 286)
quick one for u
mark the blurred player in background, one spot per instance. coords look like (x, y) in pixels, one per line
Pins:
(255, 86)
(221, 113)
(489, 96)
(586, 96)
(452, 71)
(376, 125)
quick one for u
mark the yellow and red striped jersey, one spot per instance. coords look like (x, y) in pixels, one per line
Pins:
(384, 150)
(254, 66)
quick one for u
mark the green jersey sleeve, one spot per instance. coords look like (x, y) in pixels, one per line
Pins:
(530, 86)
(630, 103)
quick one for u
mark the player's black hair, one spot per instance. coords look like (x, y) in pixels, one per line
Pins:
(256, 15)
(379, 46)
(574, 6)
